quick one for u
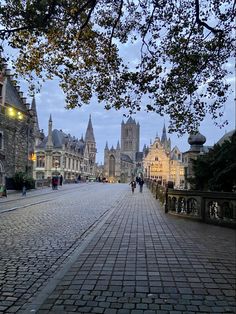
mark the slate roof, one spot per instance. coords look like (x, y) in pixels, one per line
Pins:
(60, 138)
(13, 97)
(225, 137)
(139, 156)
(126, 158)
(89, 136)
(130, 121)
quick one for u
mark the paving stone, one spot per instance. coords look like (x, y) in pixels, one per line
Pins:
(155, 262)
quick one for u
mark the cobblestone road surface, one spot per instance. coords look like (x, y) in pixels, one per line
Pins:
(35, 240)
(134, 260)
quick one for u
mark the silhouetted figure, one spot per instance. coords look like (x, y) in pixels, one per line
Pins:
(141, 183)
(133, 185)
(61, 179)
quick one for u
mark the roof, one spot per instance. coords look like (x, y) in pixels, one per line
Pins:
(130, 121)
(89, 136)
(13, 97)
(139, 156)
(226, 137)
(126, 158)
(60, 138)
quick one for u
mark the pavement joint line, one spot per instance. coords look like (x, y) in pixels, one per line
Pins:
(53, 282)
(24, 206)
(4, 201)
(31, 204)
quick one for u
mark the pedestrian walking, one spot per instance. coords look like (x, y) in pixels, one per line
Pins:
(54, 182)
(133, 185)
(141, 183)
(61, 179)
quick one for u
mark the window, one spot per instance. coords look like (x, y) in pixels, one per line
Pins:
(56, 161)
(40, 161)
(1, 140)
(39, 175)
(156, 158)
(112, 166)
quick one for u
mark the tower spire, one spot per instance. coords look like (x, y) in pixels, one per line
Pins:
(49, 144)
(164, 137)
(35, 115)
(89, 135)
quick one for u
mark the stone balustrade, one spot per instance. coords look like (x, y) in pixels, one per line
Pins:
(210, 207)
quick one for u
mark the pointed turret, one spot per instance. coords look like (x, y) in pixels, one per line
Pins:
(49, 144)
(89, 136)
(106, 147)
(35, 115)
(91, 144)
(164, 137)
(118, 145)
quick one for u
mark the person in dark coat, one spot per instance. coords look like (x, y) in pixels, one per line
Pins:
(141, 183)
(133, 185)
(61, 179)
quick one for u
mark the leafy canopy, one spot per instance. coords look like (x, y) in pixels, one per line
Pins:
(182, 50)
(215, 171)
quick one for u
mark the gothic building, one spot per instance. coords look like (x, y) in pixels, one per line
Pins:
(122, 163)
(17, 130)
(61, 153)
(163, 164)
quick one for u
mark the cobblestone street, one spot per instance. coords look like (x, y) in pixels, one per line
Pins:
(99, 249)
(36, 240)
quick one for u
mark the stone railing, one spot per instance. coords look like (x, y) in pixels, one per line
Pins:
(158, 191)
(210, 207)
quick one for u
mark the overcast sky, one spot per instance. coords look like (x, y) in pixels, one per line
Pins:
(107, 124)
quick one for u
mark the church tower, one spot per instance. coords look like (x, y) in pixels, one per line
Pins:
(165, 142)
(91, 144)
(130, 138)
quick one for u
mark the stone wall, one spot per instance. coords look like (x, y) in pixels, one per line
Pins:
(18, 143)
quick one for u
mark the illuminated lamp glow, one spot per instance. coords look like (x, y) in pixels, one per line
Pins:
(11, 112)
(20, 115)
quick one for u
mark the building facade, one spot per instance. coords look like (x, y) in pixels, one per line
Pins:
(162, 164)
(17, 130)
(62, 154)
(123, 163)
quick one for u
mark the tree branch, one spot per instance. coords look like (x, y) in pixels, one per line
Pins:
(116, 22)
(93, 4)
(201, 23)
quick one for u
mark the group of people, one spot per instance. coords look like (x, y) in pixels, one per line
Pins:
(139, 181)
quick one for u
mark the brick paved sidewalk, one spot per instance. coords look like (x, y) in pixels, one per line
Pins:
(14, 195)
(144, 261)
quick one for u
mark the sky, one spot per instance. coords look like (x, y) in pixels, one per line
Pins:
(107, 124)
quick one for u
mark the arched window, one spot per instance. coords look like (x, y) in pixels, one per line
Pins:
(111, 166)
